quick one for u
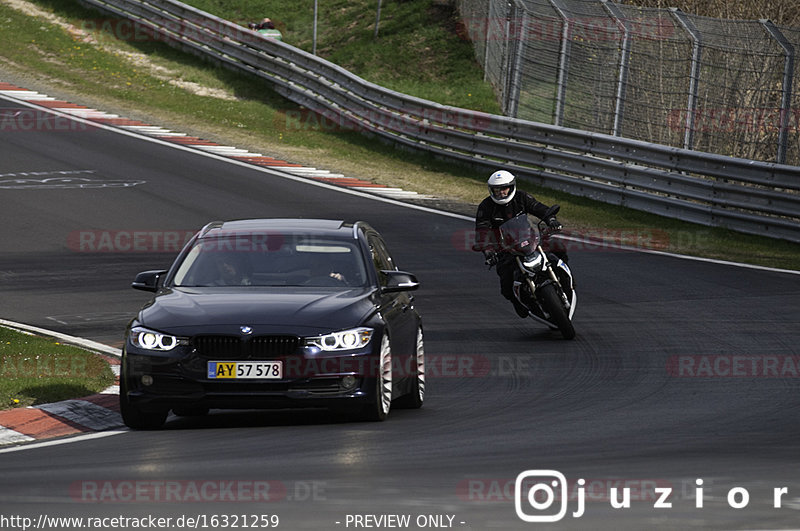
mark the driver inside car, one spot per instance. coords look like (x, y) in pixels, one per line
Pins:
(324, 271)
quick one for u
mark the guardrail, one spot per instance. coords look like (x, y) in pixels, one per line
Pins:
(715, 190)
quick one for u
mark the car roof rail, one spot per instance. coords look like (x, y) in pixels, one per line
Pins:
(366, 227)
(210, 226)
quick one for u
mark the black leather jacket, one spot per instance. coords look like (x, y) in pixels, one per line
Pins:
(490, 216)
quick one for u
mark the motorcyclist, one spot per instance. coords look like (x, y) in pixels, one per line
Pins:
(505, 202)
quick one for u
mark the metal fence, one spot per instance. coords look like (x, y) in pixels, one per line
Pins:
(745, 195)
(659, 75)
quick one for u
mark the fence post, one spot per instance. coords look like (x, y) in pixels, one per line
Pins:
(694, 79)
(314, 37)
(486, 40)
(377, 19)
(622, 82)
(507, 62)
(518, 28)
(786, 89)
(563, 62)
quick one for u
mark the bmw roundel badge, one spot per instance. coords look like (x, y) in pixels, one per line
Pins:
(246, 330)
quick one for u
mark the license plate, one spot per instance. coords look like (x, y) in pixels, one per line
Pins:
(245, 370)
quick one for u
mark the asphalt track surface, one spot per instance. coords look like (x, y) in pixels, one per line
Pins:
(681, 370)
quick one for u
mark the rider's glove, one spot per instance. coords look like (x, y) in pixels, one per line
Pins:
(554, 224)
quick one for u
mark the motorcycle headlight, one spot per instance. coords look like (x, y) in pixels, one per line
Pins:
(533, 262)
(151, 340)
(344, 340)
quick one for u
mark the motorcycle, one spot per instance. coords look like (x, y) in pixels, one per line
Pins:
(542, 281)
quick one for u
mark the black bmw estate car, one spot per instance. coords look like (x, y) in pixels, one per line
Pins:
(275, 313)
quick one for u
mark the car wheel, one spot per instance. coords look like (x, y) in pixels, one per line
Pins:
(136, 418)
(377, 409)
(416, 396)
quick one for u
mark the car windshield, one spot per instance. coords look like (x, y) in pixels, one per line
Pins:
(259, 260)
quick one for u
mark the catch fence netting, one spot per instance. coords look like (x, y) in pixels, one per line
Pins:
(658, 75)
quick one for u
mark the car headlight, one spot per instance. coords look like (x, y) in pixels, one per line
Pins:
(152, 340)
(344, 340)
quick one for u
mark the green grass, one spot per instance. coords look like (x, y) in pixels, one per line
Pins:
(38, 370)
(418, 51)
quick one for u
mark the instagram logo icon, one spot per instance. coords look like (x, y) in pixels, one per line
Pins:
(536, 491)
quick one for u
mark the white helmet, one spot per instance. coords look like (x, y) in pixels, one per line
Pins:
(500, 180)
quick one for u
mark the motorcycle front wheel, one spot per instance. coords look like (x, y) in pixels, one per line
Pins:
(555, 307)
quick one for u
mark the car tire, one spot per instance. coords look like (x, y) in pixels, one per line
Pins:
(416, 396)
(379, 404)
(136, 418)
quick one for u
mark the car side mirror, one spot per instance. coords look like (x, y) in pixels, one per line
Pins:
(148, 280)
(398, 281)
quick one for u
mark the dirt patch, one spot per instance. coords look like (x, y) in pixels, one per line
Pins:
(139, 60)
